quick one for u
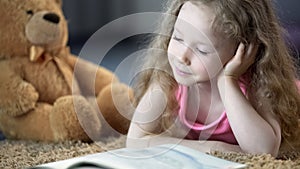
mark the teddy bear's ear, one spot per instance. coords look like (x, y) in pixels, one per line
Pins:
(59, 2)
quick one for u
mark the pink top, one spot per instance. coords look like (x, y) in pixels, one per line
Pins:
(218, 130)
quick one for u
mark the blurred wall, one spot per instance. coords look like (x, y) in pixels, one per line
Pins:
(87, 16)
(288, 11)
(289, 14)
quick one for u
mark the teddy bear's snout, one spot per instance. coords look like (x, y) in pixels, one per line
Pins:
(52, 17)
(44, 28)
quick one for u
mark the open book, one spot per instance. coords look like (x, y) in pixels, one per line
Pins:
(169, 156)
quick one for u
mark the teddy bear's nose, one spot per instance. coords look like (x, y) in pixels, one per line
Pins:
(52, 17)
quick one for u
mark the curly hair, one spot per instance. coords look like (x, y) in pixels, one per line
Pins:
(271, 80)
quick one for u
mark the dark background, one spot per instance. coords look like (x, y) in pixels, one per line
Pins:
(85, 17)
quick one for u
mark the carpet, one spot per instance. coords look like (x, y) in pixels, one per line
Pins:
(22, 154)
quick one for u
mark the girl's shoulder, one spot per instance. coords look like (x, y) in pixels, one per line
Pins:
(155, 86)
(154, 93)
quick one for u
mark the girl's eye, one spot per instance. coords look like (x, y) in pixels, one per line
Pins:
(202, 52)
(177, 39)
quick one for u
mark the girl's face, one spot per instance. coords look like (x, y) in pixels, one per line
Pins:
(197, 54)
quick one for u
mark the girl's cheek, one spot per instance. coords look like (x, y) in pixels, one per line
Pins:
(173, 50)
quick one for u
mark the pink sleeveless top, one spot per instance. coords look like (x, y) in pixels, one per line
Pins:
(218, 130)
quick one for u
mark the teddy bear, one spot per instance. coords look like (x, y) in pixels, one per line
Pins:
(41, 95)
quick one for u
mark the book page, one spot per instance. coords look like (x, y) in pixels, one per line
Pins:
(169, 156)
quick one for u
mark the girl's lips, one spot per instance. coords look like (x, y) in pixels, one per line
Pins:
(182, 73)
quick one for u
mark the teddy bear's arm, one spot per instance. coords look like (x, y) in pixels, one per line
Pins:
(91, 77)
(16, 96)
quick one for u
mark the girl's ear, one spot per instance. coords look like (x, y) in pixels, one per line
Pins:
(59, 2)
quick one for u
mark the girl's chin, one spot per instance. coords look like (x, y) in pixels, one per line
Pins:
(192, 81)
(185, 81)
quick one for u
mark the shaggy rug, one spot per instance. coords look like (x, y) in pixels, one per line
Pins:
(23, 154)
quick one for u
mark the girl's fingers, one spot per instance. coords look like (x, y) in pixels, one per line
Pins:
(240, 51)
(251, 52)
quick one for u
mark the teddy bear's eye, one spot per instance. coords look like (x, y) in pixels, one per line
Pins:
(29, 12)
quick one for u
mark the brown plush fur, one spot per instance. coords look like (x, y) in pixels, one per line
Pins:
(41, 95)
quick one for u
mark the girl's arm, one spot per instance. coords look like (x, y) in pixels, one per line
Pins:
(145, 128)
(203, 146)
(255, 133)
(147, 116)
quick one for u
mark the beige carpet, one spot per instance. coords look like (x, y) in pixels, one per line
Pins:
(22, 154)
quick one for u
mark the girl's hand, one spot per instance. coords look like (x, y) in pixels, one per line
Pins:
(241, 61)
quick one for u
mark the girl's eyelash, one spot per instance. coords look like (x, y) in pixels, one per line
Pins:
(176, 38)
(202, 52)
(181, 40)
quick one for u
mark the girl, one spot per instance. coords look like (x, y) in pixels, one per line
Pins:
(226, 80)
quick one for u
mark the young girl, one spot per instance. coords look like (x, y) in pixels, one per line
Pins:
(226, 80)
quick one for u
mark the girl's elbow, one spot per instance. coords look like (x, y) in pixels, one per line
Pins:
(271, 148)
(130, 143)
(136, 142)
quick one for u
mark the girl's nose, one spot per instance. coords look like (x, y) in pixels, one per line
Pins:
(185, 56)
